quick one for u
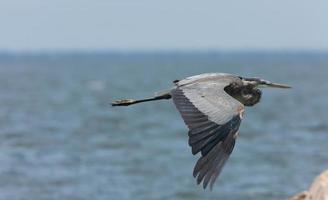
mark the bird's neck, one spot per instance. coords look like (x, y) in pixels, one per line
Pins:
(245, 94)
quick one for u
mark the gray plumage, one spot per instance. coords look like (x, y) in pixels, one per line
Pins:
(212, 106)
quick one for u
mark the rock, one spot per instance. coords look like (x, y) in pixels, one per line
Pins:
(301, 196)
(317, 191)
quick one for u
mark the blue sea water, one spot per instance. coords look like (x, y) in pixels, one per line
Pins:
(61, 139)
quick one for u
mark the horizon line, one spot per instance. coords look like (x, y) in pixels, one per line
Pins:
(160, 51)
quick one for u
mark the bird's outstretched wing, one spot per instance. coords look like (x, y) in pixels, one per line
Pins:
(213, 118)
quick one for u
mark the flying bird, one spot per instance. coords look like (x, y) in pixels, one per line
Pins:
(212, 106)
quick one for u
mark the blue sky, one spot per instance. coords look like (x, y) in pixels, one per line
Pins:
(163, 24)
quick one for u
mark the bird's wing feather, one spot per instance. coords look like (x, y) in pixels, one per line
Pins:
(213, 118)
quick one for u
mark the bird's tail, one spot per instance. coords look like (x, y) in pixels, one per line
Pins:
(127, 102)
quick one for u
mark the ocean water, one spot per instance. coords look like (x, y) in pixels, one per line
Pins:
(61, 139)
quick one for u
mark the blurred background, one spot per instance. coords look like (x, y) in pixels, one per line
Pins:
(63, 62)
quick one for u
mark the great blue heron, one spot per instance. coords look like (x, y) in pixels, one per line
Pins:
(212, 106)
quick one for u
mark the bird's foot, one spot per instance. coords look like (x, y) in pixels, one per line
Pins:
(123, 102)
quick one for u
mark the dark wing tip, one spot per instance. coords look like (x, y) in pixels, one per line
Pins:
(209, 167)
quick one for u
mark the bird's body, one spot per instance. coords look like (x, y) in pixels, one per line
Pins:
(212, 106)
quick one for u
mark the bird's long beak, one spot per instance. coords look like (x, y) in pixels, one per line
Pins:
(264, 83)
(277, 85)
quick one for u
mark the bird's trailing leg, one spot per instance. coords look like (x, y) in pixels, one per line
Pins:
(127, 102)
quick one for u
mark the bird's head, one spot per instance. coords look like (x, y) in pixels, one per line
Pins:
(249, 92)
(261, 83)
